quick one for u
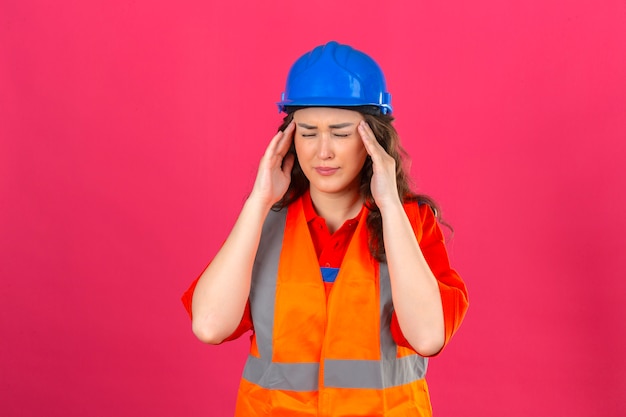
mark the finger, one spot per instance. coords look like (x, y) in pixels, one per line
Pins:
(372, 146)
(276, 145)
(273, 145)
(285, 141)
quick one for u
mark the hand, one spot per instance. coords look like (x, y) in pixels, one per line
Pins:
(274, 174)
(383, 184)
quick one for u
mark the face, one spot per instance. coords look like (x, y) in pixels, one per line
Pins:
(329, 148)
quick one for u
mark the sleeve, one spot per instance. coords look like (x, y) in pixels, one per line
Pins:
(454, 296)
(246, 320)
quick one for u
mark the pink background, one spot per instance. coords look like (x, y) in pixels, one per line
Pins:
(130, 133)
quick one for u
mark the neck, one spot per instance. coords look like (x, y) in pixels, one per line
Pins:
(336, 208)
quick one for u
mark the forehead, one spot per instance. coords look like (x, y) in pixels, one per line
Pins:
(326, 115)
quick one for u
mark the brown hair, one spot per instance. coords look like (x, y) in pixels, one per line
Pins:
(387, 136)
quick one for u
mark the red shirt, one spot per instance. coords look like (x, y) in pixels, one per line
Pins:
(330, 248)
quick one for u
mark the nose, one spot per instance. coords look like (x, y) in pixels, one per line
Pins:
(325, 150)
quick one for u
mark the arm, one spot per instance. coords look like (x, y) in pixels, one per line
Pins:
(415, 288)
(451, 287)
(453, 292)
(222, 291)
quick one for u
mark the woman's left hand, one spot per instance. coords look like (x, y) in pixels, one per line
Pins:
(383, 185)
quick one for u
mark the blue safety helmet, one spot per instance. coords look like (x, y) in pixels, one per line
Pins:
(335, 75)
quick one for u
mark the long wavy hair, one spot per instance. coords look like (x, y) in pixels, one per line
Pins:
(388, 138)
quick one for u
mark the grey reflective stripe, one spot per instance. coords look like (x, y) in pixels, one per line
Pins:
(373, 374)
(395, 371)
(264, 275)
(262, 371)
(388, 347)
(283, 376)
(390, 371)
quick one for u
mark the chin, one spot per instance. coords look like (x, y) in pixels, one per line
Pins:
(334, 188)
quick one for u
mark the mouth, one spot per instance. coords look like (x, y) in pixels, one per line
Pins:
(325, 171)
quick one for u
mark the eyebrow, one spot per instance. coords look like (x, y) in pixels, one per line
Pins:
(336, 126)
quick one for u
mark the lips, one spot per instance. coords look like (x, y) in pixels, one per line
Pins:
(325, 171)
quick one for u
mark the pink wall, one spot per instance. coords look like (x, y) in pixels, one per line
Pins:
(130, 133)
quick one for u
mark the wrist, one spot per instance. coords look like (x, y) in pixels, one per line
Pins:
(257, 203)
(390, 206)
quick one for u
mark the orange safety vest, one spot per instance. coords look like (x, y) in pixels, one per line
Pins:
(310, 357)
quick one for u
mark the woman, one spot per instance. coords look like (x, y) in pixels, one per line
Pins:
(337, 267)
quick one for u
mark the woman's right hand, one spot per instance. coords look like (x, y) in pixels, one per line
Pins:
(274, 174)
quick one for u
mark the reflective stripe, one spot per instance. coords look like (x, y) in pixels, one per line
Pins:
(263, 287)
(388, 346)
(390, 371)
(338, 373)
(284, 376)
(372, 374)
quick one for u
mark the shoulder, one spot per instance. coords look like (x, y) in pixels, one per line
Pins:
(422, 216)
(419, 210)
